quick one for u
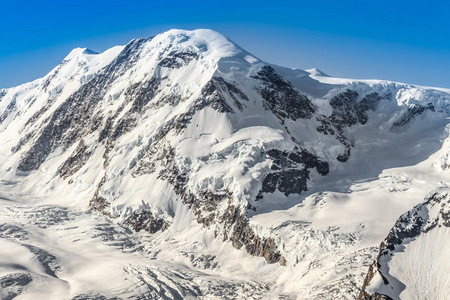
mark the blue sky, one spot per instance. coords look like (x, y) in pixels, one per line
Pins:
(406, 41)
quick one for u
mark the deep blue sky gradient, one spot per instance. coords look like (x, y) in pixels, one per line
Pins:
(406, 41)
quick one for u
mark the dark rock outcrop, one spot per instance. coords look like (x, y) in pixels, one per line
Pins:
(76, 161)
(141, 93)
(412, 111)
(146, 221)
(211, 96)
(206, 205)
(177, 59)
(48, 261)
(8, 110)
(232, 91)
(282, 98)
(99, 203)
(12, 285)
(290, 171)
(75, 117)
(242, 235)
(3, 94)
(347, 112)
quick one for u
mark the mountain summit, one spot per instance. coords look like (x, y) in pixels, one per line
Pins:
(189, 144)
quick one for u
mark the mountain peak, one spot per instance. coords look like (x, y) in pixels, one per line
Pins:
(205, 41)
(317, 72)
(79, 51)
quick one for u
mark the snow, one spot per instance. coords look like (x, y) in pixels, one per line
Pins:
(316, 72)
(96, 256)
(423, 265)
(415, 268)
(305, 81)
(79, 52)
(348, 81)
(329, 235)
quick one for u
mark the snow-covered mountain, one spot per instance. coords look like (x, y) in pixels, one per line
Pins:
(182, 166)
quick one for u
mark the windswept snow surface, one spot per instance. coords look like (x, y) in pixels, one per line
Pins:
(176, 137)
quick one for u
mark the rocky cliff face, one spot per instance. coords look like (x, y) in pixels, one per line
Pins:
(189, 124)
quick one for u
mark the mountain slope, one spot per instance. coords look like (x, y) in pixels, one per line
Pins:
(413, 260)
(187, 130)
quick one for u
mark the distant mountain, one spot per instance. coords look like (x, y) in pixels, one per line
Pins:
(186, 138)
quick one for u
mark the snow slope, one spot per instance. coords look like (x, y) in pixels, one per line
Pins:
(187, 167)
(413, 261)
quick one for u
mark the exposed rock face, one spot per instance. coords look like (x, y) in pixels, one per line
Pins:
(347, 112)
(231, 90)
(291, 171)
(98, 202)
(47, 260)
(207, 205)
(413, 111)
(243, 235)
(8, 109)
(74, 163)
(176, 59)
(140, 94)
(75, 118)
(282, 98)
(376, 296)
(12, 285)
(2, 94)
(147, 222)
(211, 96)
(430, 215)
